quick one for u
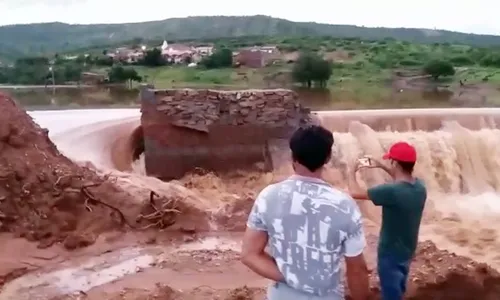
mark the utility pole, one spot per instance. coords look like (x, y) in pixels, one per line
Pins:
(51, 69)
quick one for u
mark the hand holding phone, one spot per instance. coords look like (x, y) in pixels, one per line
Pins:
(365, 161)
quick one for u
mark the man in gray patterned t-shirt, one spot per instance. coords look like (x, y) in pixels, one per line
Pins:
(309, 228)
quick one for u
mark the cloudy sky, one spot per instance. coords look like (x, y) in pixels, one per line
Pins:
(477, 16)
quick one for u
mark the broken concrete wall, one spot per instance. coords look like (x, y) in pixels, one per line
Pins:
(214, 130)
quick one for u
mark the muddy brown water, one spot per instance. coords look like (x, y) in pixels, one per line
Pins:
(98, 97)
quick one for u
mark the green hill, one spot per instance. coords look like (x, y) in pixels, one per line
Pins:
(48, 38)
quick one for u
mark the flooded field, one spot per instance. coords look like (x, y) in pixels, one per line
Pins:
(100, 97)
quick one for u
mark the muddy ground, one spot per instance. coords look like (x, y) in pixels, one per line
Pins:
(70, 232)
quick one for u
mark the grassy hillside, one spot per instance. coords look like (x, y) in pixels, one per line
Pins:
(32, 39)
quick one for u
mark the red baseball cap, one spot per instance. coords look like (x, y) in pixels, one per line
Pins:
(402, 151)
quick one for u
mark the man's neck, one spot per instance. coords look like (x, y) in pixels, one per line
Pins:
(399, 176)
(307, 173)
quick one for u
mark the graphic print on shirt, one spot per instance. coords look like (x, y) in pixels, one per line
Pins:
(308, 223)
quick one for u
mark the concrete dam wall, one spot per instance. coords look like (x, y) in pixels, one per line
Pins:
(215, 130)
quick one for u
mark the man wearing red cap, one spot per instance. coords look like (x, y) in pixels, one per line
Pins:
(402, 202)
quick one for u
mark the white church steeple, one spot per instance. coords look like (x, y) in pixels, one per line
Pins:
(164, 45)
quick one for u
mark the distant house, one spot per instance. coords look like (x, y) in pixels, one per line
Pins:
(265, 49)
(291, 57)
(269, 49)
(251, 59)
(177, 53)
(70, 57)
(204, 50)
(127, 55)
(257, 56)
(90, 78)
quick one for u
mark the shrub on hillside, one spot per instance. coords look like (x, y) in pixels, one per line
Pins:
(491, 60)
(222, 58)
(410, 62)
(438, 68)
(461, 60)
(311, 68)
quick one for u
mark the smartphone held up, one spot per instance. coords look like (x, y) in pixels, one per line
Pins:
(365, 161)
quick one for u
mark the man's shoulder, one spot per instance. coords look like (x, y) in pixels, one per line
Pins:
(418, 186)
(273, 188)
(330, 196)
(273, 191)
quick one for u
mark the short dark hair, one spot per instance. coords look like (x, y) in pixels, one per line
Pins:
(407, 167)
(311, 146)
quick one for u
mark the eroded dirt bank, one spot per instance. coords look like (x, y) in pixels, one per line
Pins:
(58, 205)
(45, 196)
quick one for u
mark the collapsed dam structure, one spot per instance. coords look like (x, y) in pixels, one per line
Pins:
(185, 129)
(215, 130)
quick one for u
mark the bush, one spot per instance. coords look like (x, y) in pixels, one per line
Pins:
(438, 68)
(311, 68)
(491, 60)
(222, 58)
(410, 62)
(461, 60)
(119, 74)
(153, 58)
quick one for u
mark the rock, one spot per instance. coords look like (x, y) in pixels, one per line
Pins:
(196, 109)
(75, 241)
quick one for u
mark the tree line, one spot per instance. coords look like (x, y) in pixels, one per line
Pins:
(42, 71)
(60, 70)
(311, 69)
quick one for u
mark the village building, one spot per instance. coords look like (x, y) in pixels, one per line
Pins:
(256, 56)
(124, 54)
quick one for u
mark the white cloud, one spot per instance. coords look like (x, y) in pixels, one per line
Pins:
(469, 16)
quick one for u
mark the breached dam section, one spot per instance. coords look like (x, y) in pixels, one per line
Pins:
(214, 130)
(185, 129)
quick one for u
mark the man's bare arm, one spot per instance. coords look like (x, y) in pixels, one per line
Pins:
(254, 256)
(360, 195)
(355, 189)
(357, 277)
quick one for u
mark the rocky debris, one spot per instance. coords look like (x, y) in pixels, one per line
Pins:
(442, 275)
(198, 109)
(243, 293)
(162, 292)
(158, 205)
(233, 215)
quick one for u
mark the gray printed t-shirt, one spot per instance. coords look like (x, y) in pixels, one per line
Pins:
(311, 227)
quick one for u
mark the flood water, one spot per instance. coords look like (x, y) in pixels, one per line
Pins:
(114, 97)
(88, 273)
